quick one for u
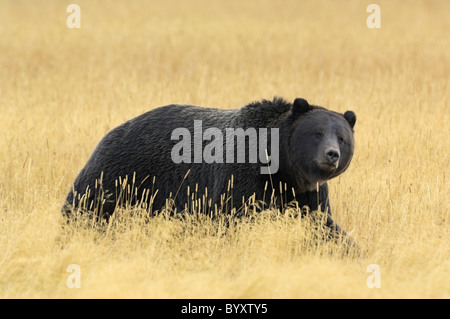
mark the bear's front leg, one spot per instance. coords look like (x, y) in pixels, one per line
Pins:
(319, 199)
(340, 236)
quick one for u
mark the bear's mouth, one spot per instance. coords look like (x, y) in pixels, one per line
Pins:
(328, 167)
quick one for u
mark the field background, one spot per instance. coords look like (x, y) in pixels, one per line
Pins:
(62, 89)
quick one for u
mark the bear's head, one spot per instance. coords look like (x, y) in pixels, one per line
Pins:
(321, 142)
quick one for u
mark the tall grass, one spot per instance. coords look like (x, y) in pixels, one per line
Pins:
(62, 89)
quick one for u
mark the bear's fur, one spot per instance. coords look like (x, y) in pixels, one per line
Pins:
(315, 145)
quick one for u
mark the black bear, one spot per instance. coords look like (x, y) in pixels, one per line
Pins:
(181, 156)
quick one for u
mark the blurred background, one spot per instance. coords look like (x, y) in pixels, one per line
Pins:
(62, 89)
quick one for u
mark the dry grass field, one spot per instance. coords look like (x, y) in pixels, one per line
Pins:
(62, 89)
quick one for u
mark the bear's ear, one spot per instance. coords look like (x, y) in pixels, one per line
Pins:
(300, 106)
(350, 117)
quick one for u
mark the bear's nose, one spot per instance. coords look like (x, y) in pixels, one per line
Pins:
(332, 155)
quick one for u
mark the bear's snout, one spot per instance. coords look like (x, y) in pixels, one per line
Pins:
(332, 156)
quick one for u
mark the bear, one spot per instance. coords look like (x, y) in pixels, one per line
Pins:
(225, 156)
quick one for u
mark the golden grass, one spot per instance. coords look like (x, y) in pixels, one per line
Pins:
(62, 89)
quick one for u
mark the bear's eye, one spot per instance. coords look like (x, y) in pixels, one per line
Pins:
(341, 139)
(319, 134)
